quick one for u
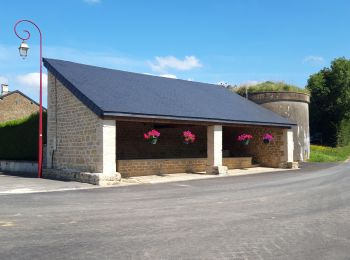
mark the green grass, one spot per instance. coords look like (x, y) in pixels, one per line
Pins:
(329, 154)
(270, 86)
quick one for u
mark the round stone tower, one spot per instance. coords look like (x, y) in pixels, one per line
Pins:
(295, 107)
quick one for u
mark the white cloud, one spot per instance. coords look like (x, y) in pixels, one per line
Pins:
(92, 2)
(161, 64)
(32, 80)
(3, 80)
(249, 83)
(171, 76)
(314, 60)
(107, 59)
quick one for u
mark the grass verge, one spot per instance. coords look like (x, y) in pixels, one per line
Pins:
(329, 154)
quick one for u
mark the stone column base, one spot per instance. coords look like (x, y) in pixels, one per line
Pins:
(216, 170)
(103, 179)
(289, 165)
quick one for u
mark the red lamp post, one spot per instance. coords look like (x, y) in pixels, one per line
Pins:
(23, 51)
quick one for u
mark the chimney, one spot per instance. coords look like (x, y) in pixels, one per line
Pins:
(4, 89)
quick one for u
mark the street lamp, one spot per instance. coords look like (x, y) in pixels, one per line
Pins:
(23, 51)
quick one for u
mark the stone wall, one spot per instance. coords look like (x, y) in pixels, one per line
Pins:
(18, 166)
(131, 143)
(74, 134)
(269, 155)
(15, 106)
(237, 162)
(132, 149)
(131, 168)
(295, 107)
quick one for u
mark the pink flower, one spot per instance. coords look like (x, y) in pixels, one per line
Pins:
(244, 137)
(268, 136)
(153, 134)
(189, 137)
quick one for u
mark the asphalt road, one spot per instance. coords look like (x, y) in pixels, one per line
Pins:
(291, 215)
(13, 183)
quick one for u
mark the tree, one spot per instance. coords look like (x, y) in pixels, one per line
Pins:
(330, 99)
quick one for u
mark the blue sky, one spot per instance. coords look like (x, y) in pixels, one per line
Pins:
(210, 41)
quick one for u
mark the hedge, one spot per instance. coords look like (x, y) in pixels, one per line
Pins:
(343, 138)
(19, 138)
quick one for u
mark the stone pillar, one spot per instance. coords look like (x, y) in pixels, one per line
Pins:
(108, 146)
(109, 173)
(214, 151)
(288, 150)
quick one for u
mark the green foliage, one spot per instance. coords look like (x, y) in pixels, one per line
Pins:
(344, 133)
(269, 86)
(330, 99)
(19, 138)
(329, 154)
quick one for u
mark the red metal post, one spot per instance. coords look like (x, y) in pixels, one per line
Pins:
(40, 145)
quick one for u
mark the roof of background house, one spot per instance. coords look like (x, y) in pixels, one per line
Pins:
(22, 94)
(111, 92)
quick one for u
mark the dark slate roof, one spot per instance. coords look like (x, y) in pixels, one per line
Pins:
(118, 93)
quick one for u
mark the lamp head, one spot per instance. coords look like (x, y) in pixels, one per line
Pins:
(23, 49)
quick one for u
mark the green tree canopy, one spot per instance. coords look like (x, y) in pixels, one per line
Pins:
(330, 99)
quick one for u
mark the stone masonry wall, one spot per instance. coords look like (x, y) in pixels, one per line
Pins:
(74, 131)
(269, 155)
(295, 107)
(137, 157)
(237, 162)
(131, 143)
(131, 168)
(15, 106)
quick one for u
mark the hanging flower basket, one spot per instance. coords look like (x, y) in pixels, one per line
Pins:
(152, 136)
(153, 141)
(244, 138)
(189, 138)
(267, 138)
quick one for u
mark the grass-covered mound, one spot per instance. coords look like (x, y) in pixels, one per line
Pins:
(19, 138)
(329, 154)
(269, 86)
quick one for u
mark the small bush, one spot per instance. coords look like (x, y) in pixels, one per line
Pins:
(19, 138)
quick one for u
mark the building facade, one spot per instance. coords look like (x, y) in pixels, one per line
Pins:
(15, 105)
(295, 107)
(97, 119)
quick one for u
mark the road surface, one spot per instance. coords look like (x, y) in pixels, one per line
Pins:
(301, 214)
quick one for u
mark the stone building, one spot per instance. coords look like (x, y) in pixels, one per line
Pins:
(15, 105)
(97, 118)
(295, 107)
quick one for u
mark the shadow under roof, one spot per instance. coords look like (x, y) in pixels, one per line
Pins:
(111, 92)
